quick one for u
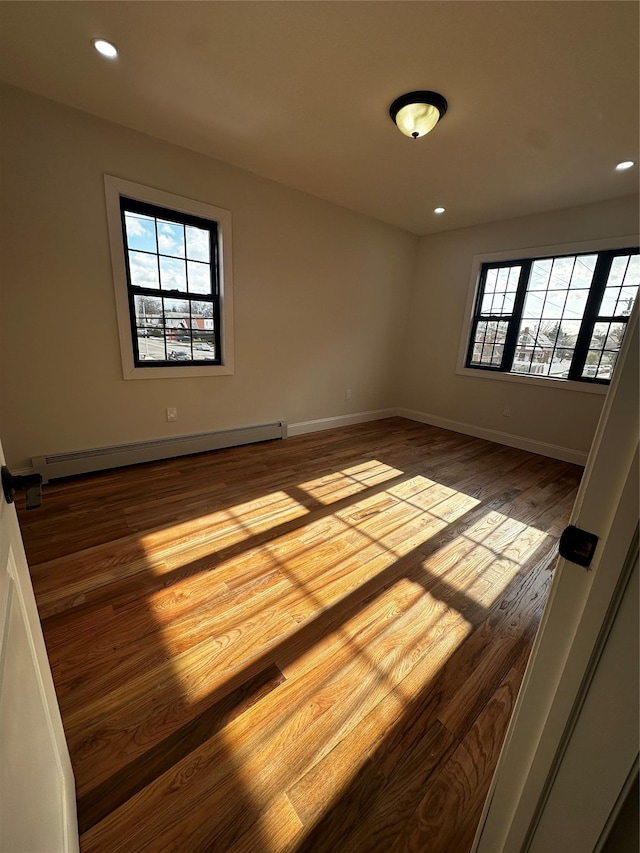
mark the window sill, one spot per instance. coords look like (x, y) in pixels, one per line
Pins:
(178, 372)
(558, 384)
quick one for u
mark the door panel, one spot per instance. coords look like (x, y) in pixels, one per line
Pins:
(37, 792)
(603, 747)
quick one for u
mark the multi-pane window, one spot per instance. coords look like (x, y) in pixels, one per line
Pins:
(172, 277)
(559, 317)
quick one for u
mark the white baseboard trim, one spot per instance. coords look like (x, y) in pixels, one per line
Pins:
(103, 458)
(303, 427)
(555, 451)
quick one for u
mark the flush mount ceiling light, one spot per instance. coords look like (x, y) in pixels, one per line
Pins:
(438, 210)
(105, 48)
(416, 113)
(626, 164)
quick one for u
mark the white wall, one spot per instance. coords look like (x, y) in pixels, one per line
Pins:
(566, 419)
(320, 293)
(325, 300)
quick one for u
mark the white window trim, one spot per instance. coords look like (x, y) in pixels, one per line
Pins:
(513, 255)
(114, 189)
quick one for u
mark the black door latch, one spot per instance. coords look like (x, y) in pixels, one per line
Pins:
(31, 483)
(577, 545)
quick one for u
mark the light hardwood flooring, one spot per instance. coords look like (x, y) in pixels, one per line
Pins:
(304, 645)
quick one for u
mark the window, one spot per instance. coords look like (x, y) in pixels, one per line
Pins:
(171, 261)
(558, 317)
(172, 277)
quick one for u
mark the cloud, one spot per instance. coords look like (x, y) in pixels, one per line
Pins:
(173, 274)
(197, 244)
(144, 270)
(135, 227)
(171, 239)
(167, 244)
(199, 277)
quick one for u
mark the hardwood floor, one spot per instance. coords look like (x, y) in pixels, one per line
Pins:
(308, 645)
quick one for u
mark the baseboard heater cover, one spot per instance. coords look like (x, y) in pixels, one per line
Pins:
(101, 458)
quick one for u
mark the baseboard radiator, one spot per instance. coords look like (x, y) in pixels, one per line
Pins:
(101, 458)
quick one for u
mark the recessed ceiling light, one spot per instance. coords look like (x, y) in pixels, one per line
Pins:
(438, 209)
(626, 164)
(105, 48)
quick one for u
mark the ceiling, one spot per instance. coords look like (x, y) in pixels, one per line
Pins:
(543, 96)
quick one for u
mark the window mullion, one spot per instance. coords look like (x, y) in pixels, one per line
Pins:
(130, 293)
(477, 317)
(215, 281)
(474, 332)
(594, 300)
(171, 294)
(511, 341)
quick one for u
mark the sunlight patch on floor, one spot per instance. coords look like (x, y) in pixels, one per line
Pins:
(420, 527)
(334, 487)
(381, 673)
(317, 564)
(496, 549)
(220, 527)
(363, 471)
(396, 519)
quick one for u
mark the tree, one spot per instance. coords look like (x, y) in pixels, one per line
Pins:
(556, 334)
(148, 310)
(202, 309)
(615, 336)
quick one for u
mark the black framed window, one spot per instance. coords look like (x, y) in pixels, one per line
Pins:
(559, 317)
(172, 268)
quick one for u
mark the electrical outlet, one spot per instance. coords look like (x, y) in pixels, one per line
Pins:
(172, 414)
(347, 394)
(506, 412)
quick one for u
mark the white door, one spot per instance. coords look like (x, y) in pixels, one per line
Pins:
(539, 769)
(601, 754)
(37, 791)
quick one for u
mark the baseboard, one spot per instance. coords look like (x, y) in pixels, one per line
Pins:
(229, 439)
(555, 451)
(103, 458)
(303, 427)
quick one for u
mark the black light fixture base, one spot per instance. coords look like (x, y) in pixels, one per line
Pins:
(421, 97)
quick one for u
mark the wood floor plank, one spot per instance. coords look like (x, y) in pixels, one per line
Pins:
(109, 732)
(369, 815)
(392, 573)
(278, 828)
(357, 805)
(348, 777)
(142, 644)
(122, 785)
(446, 819)
(272, 755)
(425, 705)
